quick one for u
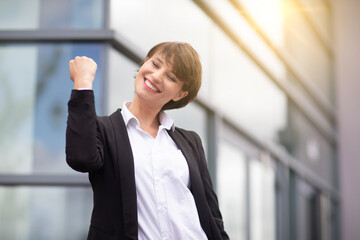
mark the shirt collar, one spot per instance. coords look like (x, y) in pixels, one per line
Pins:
(127, 115)
(165, 120)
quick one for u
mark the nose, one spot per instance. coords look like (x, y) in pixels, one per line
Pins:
(157, 76)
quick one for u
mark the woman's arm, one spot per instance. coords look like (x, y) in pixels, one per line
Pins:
(84, 145)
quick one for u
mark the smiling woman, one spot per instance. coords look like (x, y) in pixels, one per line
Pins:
(161, 187)
(184, 65)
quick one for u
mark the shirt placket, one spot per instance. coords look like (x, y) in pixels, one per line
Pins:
(160, 194)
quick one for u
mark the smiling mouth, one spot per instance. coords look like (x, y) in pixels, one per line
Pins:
(151, 87)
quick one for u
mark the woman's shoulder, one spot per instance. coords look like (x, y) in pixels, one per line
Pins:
(189, 135)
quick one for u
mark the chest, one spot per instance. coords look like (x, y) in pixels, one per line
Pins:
(158, 159)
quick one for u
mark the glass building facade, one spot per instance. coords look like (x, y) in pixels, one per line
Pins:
(265, 112)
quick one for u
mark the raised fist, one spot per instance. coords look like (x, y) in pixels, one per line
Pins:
(82, 72)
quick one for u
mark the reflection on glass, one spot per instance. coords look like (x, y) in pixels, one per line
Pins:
(262, 201)
(267, 14)
(44, 213)
(36, 89)
(231, 184)
(51, 14)
(307, 50)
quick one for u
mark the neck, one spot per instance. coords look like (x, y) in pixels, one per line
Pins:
(146, 115)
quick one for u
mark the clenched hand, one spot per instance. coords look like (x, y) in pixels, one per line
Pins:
(82, 72)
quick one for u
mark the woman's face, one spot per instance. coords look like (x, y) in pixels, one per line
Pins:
(156, 84)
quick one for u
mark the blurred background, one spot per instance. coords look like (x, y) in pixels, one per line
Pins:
(278, 111)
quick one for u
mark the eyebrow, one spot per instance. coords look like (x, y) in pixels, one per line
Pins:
(159, 59)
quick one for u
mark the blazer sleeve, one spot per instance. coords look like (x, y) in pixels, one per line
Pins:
(208, 187)
(84, 143)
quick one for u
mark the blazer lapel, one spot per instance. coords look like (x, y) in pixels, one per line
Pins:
(197, 187)
(125, 162)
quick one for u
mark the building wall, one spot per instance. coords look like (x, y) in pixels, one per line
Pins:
(348, 99)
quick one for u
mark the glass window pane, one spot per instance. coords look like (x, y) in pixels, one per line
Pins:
(45, 213)
(335, 220)
(35, 89)
(17, 101)
(51, 14)
(253, 43)
(19, 14)
(231, 189)
(325, 217)
(308, 145)
(244, 93)
(308, 212)
(120, 86)
(262, 201)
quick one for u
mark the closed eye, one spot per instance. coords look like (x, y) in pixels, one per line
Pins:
(172, 78)
(156, 65)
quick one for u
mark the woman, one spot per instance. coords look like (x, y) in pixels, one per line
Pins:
(150, 179)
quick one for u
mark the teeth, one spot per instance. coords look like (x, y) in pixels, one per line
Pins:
(150, 85)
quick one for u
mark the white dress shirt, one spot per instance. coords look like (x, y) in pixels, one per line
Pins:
(166, 207)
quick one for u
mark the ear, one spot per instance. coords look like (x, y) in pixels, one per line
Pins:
(180, 95)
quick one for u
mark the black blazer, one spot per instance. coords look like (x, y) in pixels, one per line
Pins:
(101, 147)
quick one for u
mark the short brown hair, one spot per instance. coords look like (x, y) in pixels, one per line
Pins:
(185, 65)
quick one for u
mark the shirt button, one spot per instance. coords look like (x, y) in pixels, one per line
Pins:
(162, 209)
